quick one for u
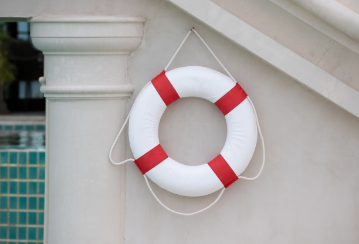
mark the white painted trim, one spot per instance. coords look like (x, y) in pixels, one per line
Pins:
(22, 119)
(319, 24)
(334, 13)
(274, 53)
(123, 91)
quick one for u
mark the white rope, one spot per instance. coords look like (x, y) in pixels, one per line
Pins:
(223, 189)
(186, 214)
(119, 133)
(174, 55)
(264, 151)
(214, 55)
(114, 143)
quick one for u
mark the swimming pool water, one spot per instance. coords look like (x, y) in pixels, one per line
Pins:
(22, 140)
(22, 136)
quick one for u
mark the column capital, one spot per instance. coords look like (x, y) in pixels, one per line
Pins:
(86, 35)
(86, 57)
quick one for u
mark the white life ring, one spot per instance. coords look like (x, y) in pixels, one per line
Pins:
(148, 109)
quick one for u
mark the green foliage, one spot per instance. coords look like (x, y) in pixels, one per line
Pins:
(7, 69)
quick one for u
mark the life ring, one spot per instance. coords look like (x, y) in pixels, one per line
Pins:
(192, 81)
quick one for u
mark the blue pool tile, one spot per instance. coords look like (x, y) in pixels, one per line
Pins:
(32, 187)
(22, 172)
(19, 127)
(3, 172)
(40, 127)
(0, 127)
(22, 218)
(13, 217)
(8, 127)
(31, 243)
(22, 188)
(12, 232)
(3, 232)
(32, 202)
(40, 233)
(22, 158)
(3, 157)
(32, 218)
(41, 218)
(13, 172)
(32, 157)
(41, 157)
(13, 202)
(32, 173)
(3, 202)
(41, 203)
(22, 233)
(22, 203)
(12, 242)
(3, 187)
(41, 187)
(3, 217)
(13, 187)
(29, 127)
(31, 233)
(3, 242)
(13, 157)
(41, 173)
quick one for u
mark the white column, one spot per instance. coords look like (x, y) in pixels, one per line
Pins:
(86, 87)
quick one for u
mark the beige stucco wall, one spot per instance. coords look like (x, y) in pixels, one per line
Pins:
(308, 192)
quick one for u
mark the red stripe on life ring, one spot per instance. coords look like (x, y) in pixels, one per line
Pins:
(223, 171)
(151, 159)
(231, 99)
(165, 89)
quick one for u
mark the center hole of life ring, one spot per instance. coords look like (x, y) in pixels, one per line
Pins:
(192, 131)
